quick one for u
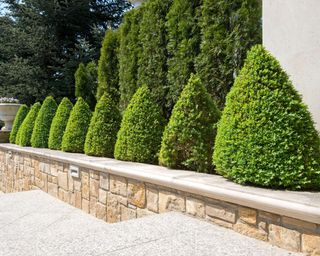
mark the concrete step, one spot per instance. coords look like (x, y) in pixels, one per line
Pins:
(34, 223)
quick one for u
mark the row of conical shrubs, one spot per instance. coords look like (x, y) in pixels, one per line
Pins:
(266, 135)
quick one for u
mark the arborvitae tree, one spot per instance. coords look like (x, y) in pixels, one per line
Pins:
(139, 137)
(188, 139)
(26, 128)
(108, 67)
(21, 115)
(129, 52)
(266, 135)
(229, 29)
(103, 129)
(59, 124)
(85, 83)
(184, 37)
(40, 134)
(75, 134)
(153, 37)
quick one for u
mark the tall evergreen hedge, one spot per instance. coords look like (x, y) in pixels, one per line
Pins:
(26, 128)
(40, 134)
(20, 116)
(188, 138)
(229, 29)
(85, 83)
(75, 134)
(129, 53)
(153, 60)
(59, 124)
(139, 137)
(184, 38)
(103, 129)
(108, 66)
(266, 135)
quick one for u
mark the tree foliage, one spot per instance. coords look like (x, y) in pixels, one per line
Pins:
(85, 83)
(229, 29)
(59, 124)
(153, 60)
(188, 138)
(184, 37)
(26, 128)
(139, 137)
(129, 53)
(75, 134)
(20, 116)
(40, 134)
(103, 129)
(266, 135)
(108, 68)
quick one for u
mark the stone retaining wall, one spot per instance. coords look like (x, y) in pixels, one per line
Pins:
(115, 198)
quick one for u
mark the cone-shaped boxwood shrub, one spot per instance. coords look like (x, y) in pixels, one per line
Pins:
(139, 138)
(40, 134)
(189, 136)
(26, 128)
(59, 124)
(103, 129)
(21, 115)
(75, 134)
(266, 135)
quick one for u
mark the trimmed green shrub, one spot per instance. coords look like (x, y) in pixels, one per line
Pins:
(20, 116)
(266, 135)
(103, 129)
(139, 137)
(229, 29)
(184, 38)
(85, 83)
(59, 124)
(188, 138)
(108, 66)
(153, 60)
(129, 52)
(40, 134)
(26, 128)
(75, 134)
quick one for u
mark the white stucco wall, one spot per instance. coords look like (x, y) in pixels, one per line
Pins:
(291, 31)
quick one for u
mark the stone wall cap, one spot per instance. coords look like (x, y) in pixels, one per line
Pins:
(300, 205)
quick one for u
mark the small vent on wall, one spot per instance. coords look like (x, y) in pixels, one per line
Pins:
(74, 171)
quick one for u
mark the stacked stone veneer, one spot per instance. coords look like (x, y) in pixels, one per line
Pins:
(113, 198)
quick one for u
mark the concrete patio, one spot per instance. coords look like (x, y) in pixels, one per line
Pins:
(34, 223)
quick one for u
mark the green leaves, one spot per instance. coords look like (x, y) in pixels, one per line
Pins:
(75, 134)
(26, 128)
(266, 135)
(59, 124)
(21, 115)
(139, 137)
(189, 136)
(104, 126)
(40, 134)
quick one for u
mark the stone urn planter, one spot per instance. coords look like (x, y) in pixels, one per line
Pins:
(8, 112)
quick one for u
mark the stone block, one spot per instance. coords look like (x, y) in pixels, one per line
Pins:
(104, 181)
(222, 212)
(44, 167)
(70, 183)
(101, 211)
(63, 180)
(248, 215)
(269, 217)
(77, 184)
(284, 238)
(93, 205)
(113, 209)
(94, 187)
(169, 201)
(78, 199)
(219, 222)
(195, 207)
(143, 213)
(153, 199)
(137, 193)
(85, 185)
(300, 224)
(85, 205)
(94, 175)
(127, 213)
(118, 185)
(53, 189)
(250, 231)
(63, 195)
(310, 244)
(102, 196)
